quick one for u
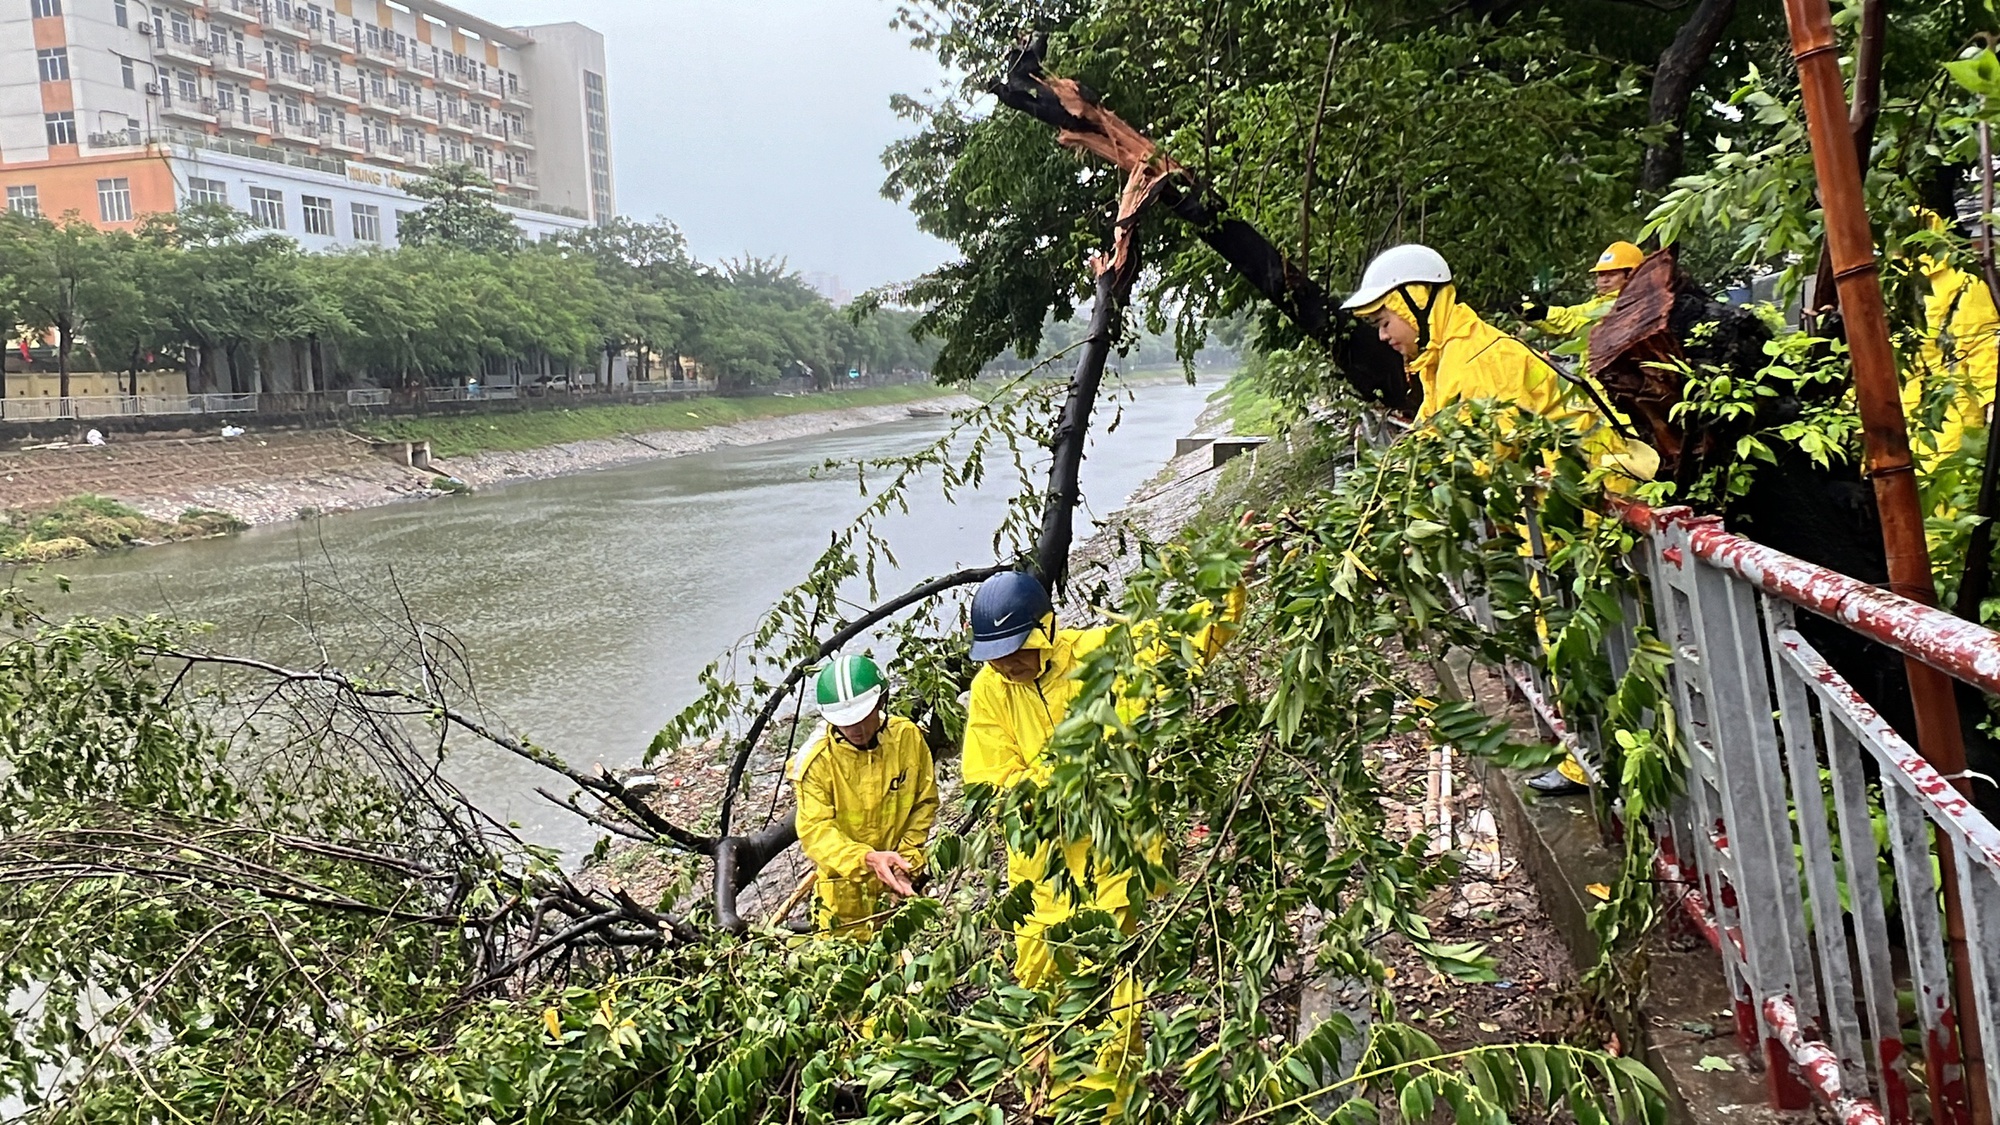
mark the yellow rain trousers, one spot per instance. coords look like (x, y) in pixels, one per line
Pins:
(1960, 351)
(854, 801)
(1007, 731)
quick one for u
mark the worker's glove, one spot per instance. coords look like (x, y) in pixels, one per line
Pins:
(1533, 310)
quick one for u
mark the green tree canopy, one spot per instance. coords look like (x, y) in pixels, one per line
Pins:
(460, 212)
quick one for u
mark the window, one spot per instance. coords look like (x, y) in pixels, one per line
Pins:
(267, 208)
(54, 64)
(183, 27)
(114, 200)
(225, 97)
(207, 191)
(367, 223)
(61, 127)
(597, 121)
(319, 214)
(126, 72)
(402, 220)
(23, 200)
(186, 87)
(45, 9)
(119, 13)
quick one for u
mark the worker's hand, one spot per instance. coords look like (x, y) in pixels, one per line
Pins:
(893, 870)
(1533, 311)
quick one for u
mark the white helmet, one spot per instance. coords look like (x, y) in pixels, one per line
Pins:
(1408, 264)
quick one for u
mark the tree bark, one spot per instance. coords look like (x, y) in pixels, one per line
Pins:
(1674, 79)
(1084, 124)
(62, 361)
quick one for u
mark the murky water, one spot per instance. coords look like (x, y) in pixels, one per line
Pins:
(589, 604)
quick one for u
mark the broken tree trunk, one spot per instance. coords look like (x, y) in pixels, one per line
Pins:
(1084, 124)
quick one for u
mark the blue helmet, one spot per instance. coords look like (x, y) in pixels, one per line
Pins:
(1005, 610)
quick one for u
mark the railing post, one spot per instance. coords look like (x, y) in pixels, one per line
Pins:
(1756, 814)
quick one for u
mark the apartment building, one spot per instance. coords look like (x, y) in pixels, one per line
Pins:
(308, 117)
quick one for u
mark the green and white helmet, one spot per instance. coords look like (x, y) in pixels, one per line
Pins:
(850, 689)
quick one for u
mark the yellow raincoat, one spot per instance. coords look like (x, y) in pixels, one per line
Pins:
(1007, 731)
(1468, 359)
(854, 801)
(1569, 320)
(1960, 351)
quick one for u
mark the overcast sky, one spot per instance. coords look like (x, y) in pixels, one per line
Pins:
(758, 125)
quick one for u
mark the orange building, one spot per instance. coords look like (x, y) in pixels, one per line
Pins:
(308, 117)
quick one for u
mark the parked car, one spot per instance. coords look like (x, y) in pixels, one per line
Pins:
(547, 384)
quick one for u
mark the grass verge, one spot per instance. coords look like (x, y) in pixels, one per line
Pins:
(84, 525)
(1251, 412)
(539, 429)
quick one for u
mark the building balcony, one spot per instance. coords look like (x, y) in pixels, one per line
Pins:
(517, 95)
(193, 51)
(346, 140)
(294, 28)
(188, 109)
(236, 11)
(491, 86)
(238, 64)
(122, 138)
(385, 104)
(493, 131)
(340, 91)
(455, 79)
(459, 123)
(330, 34)
(295, 132)
(520, 178)
(427, 111)
(521, 138)
(243, 119)
(384, 55)
(293, 79)
(388, 152)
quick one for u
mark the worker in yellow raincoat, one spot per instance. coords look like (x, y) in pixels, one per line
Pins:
(1613, 269)
(1407, 294)
(1957, 358)
(867, 798)
(1018, 699)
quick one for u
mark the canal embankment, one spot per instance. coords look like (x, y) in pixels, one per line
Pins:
(164, 487)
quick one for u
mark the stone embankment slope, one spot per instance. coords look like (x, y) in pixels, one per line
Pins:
(276, 477)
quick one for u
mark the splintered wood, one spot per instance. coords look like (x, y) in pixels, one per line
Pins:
(1633, 353)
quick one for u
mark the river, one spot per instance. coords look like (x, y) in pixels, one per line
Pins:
(590, 603)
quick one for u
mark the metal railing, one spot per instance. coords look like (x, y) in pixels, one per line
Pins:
(122, 406)
(1821, 932)
(368, 396)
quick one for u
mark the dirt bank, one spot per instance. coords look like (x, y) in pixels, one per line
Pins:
(273, 478)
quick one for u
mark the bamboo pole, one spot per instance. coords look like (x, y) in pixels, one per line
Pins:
(1851, 244)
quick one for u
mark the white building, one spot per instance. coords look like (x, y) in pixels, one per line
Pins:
(308, 117)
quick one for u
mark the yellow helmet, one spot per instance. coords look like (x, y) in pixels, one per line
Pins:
(1619, 256)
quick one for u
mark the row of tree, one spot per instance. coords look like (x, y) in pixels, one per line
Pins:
(205, 290)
